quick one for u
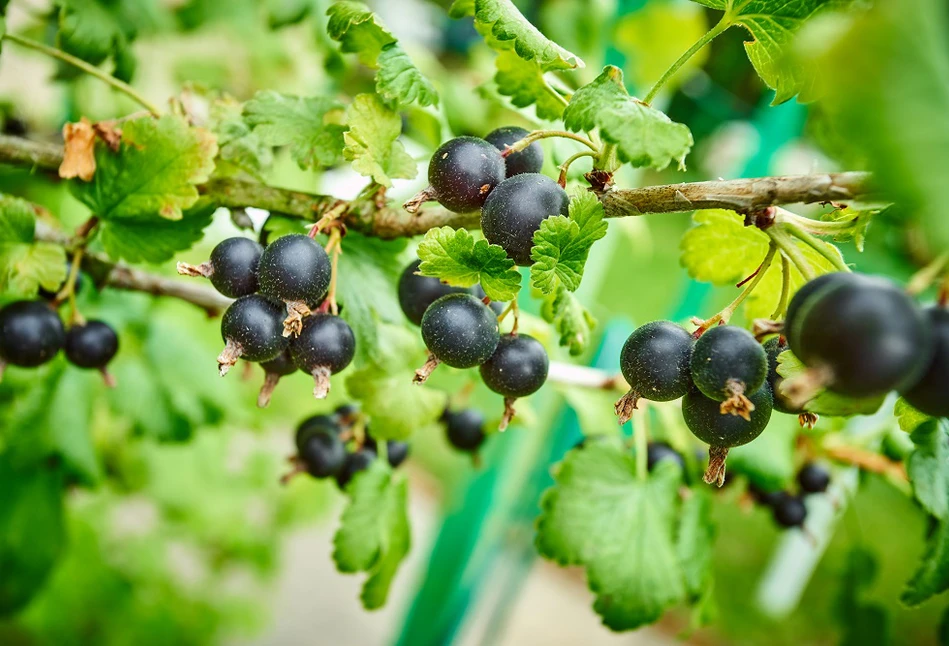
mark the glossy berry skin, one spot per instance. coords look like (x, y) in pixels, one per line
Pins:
(282, 365)
(255, 323)
(789, 511)
(416, 292)
(460, 330)
(91, 345)
(234, 266)
(869, 335)
(323, 454)
(515, 209)
(314, 425)
(517, 368)
(655, 361)
(529, 160)
(704, 418)
(294, 268)
(657, 451)
(326, 341)
(463, 171)
(773, 347)
(930, 393)
(465, 429)
(813, 478)
(396, 452)
(812, 287)
(724, 355)
(30, 333)
(355, 462)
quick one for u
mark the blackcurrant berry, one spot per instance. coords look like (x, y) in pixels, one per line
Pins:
(812, 287)
(529, 160)
(766, 497)
(396, 452)
(252, 328)
(813, 478)
(773, 347)
(346, 414)
(863, 338)
(518, 366)
(274, 369)
(355, 462)
(458, 330)
(92, 345)
(325, 346)
(789, 511)
(314, 425)
(655, 363)
(416, 292)
(514, 210)
(232, 267)
(657, 451)
(463, 171)
(465, 429)
(323, 455)
(727, 365)
(15, 127)
(296, 270)
(930, 394)
(30, 333)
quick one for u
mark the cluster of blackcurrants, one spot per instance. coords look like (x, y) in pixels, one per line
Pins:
(465, 429)
(787, 507)
(340, 445)
(280, 318)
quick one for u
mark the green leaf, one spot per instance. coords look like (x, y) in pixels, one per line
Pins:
(620, 528)
(374, 534)
(358, 31)
(310, 126)
(644, 136)
(26, 265)
(562, 244)
(928, 468)
(454, 257)
(154, 241)
(826, 402)
(282, 13)
(153, 175)
(860, 219)
(694, 542)
(573, 321)
(372, 141)
(17, 220)
(524, 82)
(240, 148)
(907, 416)
(863, 623)
(399, 82)
(93, 30)
(932, 575)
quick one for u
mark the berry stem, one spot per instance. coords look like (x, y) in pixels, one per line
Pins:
(782, 307)
(821, 247)
(536, 135)
(414, 203)
(925, 277)
(122, 87)
(266, 390)
(709, 36)
(565, 166)
(334, 248)
(789, 248)
(752, 282)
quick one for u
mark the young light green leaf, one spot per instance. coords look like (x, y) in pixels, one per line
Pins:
(154, 240)
(153, 175)
(562, 244)
(619, 528)
(859, 219)
(399, 82)
(932, 575)
(372, 141)
(454, 257)
(644, 136)
(573, 321)
(26, 265)
(928, 468)
(310, 126)
(358, 30)
(907, 416)
(524, 82)
(374, 535)
(721, 234)
(826, 402)
(240, 148)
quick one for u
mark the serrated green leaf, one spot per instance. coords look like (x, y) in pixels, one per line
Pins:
(240, 148)
(524, 82)
(826, 402)
(907, 416)
(573, 321)
(17, 220)
(932, 575)
(619, 528)
(310, 126)
(372, 141)
(928, 468)
(860, 219)
(863, 623)
(644, 136)
(562, 244)
(374, 534)
(454, 257)
(358, 30)
(694, 541)
(153, 175)
(26, 265)
(157, 240)
(399, 82)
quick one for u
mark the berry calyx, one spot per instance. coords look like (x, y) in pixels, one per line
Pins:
(281, 366)
(417, 293)
(727, 365)
(465, 429)
(295, 269)
(930, 393)
(355, 462)
(92, 345)
(813, 478)
(30, 334)
(789, 511)
(463, 172)
(232, 267)
(655, 363)
(514, 210)
(252, 328)
(529, 160)
(658, 451)
(458, 330)
(517, 368)
(325, 346)
(323, 454)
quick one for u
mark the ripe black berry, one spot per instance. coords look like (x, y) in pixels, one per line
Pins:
(323, 454)
(325, 346)
(727, 365)
(789, 511)
(930, 393)
(813, 478)
(465, 428)
(274, 369)
(529, 160)
(252, 328)
(460, 331)
(232, 267)
(92, 345)
(766, 497)
(864, 337)
(655, 364)
(516, 369)
(514, 210)
(657, 451)
(773, 347)
(30, 334)
(296, 270)
(463, 171)
(355, 462)
(396, 452)
(416, 292)
(314, 425)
